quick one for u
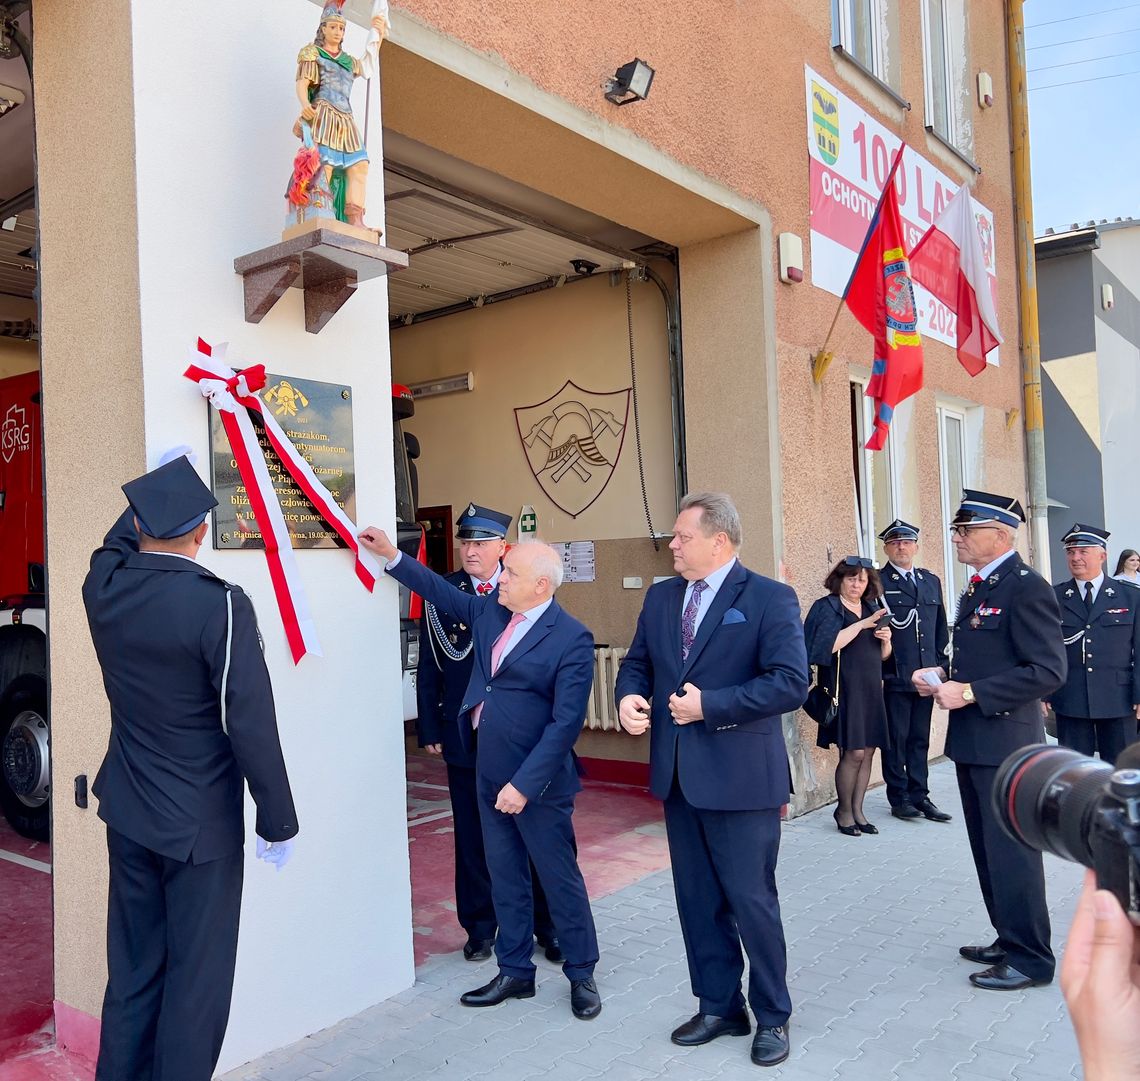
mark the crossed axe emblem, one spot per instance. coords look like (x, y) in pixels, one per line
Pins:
(574, 454)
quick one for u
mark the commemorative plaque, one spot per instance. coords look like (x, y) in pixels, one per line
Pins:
(317, 419)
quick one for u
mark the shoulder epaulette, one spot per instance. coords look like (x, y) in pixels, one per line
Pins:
(308, 54)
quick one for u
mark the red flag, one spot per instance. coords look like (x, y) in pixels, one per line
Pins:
(880, 295)
(950, 261)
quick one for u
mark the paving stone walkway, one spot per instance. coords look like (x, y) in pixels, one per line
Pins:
(879, 992)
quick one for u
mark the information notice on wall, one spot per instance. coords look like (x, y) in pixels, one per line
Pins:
(577, 561)
(317, 419)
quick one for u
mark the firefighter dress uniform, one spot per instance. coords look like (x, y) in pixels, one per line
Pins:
(921, 639)
(1096, 707)
(446, 661)
(192, 720)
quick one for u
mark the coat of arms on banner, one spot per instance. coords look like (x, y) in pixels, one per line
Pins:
(573, 441)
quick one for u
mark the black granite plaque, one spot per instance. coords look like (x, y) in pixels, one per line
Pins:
(317, 419)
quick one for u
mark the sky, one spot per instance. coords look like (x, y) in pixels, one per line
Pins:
(1085, 155)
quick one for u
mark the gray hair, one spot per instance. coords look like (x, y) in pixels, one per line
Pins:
(547, 562)
(718, 514)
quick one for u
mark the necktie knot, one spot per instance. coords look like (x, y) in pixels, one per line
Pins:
(483, 588)
(975, 579)
(1088, 593)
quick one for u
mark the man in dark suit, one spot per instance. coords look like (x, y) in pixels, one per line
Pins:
(1006, 655)
(717, 658)
(446, 661)
(1097, 706)
(522, 712)
(920, 639)
(192, 717)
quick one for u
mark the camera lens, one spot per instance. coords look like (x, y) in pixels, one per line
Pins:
(1046, 798)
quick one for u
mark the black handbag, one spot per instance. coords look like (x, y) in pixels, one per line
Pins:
(822, 704)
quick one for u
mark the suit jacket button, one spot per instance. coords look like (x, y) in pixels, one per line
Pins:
(488, 690)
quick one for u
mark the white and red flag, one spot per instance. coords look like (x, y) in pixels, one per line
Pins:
(949, 261)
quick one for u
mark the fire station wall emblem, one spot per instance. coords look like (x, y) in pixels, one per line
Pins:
(573, 441)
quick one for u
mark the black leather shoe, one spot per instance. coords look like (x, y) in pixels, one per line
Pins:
(552, 950)
(1004, 978)
(906, 810)
(928, 810)
(478, 949)
(498, 990)
(584, 999)
(770, 1045)
(866, 827)
(983, 955)
(703, 1027)
(847, 831)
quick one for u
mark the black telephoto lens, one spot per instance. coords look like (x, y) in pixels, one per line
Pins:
(1046, 797)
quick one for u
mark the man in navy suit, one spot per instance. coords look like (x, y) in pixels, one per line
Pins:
(717, 658)
(446, 661)
(522, 712)
(192, 721)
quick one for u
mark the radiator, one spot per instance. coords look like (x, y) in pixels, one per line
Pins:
(601, 713)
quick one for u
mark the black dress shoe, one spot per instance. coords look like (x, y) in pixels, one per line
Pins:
(478, 949)
(498, 990)
(1004, 978)
(552, 950)
(847, 831)
(770, 1045)
(928, 810)
(703, 1027)
(983, 955)
(906, 810)
(866, 827)
(584, 999)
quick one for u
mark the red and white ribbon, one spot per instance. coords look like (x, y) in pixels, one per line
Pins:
(234, 395)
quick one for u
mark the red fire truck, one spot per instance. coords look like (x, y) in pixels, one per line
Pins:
(24, 763)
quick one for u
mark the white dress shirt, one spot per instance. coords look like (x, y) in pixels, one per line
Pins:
(1097, 582)
(712, 583)
(989, 568)
(521, 630)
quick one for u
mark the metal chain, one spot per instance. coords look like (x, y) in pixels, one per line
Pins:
(636, 417)
(441, 635)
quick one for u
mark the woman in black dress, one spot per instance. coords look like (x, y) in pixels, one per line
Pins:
(844, 628)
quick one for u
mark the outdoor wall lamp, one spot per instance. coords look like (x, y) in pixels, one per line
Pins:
(631, 82)
(10, 97)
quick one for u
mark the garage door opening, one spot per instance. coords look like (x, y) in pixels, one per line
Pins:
(25, 852)
(540, 346)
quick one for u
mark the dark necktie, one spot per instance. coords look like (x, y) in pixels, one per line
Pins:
(1088, 596)
(689, 618)
(909, 576)
(483, 588)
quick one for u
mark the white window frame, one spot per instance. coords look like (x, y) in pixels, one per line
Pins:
(865, 525)
(950, 499)
(950, 135)
(843, 35)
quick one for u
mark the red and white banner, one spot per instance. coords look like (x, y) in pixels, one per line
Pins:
(849, 156)
(234, 395)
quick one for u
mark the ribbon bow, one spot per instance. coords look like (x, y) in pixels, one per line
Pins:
(234, 395)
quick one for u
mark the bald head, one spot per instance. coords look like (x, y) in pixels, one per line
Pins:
(532, 571)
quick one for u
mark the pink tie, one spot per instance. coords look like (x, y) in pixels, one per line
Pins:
(497, 656)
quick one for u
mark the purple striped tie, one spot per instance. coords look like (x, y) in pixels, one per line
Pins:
(689, 618)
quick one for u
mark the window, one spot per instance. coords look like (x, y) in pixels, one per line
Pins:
(952, 460)
(947, 73)
(873, 472)
(864, 30)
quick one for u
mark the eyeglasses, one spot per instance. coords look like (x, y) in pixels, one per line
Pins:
(858, 561)
(963, 530)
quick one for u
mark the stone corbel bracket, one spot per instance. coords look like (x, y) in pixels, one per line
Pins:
(324, 264)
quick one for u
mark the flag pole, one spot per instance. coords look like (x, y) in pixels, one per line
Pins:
(823, 358)
(821, 361)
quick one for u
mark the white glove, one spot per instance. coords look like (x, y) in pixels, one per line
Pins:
(276, 852)
(178, 452)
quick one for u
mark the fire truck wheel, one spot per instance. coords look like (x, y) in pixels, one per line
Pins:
(24, 763)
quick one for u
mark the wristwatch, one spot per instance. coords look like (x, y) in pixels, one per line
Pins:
(968, 694)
